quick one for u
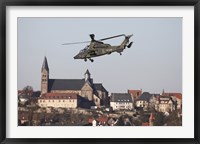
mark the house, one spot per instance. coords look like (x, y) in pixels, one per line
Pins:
(153, 101)
(177, 96)
(120, 101)
(135, 94)
(143, 100)
(86, 88)
(165, 104)
(24, 96)
(64, 100)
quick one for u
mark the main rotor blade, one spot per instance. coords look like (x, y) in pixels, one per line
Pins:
(112, 37)
(76, 43)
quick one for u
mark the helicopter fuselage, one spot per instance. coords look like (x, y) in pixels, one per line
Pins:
(96, 49)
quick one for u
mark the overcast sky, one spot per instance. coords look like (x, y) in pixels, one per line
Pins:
(153, 63)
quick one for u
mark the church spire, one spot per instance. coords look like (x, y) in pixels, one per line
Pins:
(44, 76)
(87, 72)
(87, 75)
(45, 64)
(163, 92)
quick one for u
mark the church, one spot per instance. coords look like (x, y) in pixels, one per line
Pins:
(71, 93)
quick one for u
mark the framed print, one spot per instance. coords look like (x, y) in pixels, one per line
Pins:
(99, 71)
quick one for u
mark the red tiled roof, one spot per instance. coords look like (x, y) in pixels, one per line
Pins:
(102, 119)
(59, 96)
(177, 95)
(134, 92)
(90, 120)
(145, 124)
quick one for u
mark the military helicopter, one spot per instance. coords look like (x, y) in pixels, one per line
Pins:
(98, 48)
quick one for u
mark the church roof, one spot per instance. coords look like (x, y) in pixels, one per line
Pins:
(65, 84)
(99, 86)
(72, 84)
(45, 64)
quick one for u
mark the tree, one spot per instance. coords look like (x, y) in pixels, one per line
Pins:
(159, 119)
(173, 119)
(28, 90)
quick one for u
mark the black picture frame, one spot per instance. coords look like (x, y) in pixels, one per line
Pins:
(5, 3)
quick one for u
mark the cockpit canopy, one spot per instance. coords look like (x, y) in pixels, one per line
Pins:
(83, 50)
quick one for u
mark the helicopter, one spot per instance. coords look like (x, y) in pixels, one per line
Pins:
(98, 48)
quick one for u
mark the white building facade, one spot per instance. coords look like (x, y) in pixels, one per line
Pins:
(121, 101)
(63, 100)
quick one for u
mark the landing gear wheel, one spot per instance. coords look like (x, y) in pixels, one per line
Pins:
(91, 60)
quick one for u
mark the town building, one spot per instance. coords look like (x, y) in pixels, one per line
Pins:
(165, 104)
(176, 96)
(93, 92)
(153, 101)
(64, 100)
(143, 100)
(135, 94)
(120, 101)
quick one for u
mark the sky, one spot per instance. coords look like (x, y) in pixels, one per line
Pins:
(153, 63)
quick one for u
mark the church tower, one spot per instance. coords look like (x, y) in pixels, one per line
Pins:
(87, 75)
(44, 76)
